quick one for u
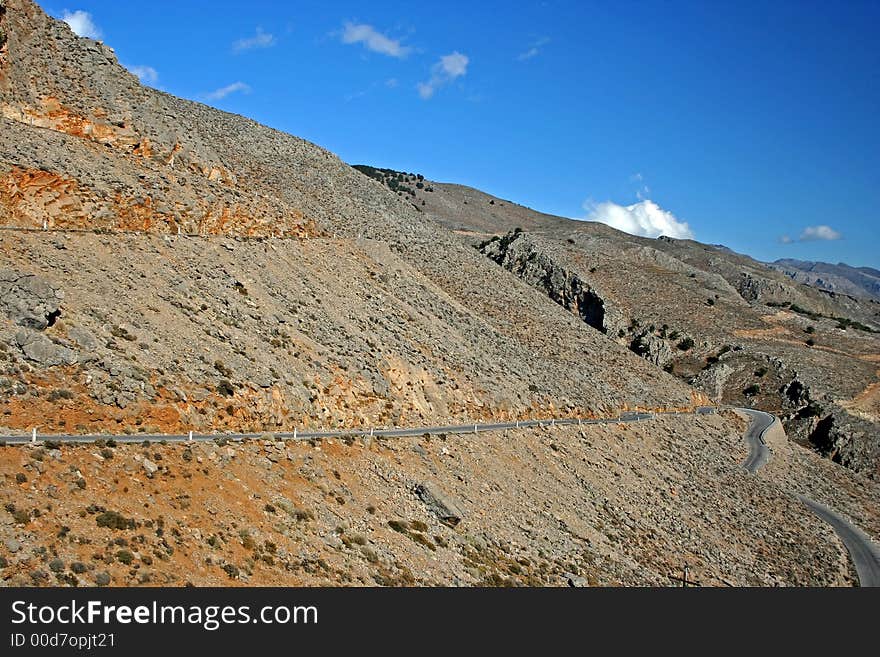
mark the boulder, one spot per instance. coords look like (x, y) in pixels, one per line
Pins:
(575, 581)
(439, 503)
(41, 350)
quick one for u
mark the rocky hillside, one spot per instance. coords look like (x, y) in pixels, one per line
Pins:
(200, 270)
(855, 281)
(736, 329)
(542, 508)
(167, 267)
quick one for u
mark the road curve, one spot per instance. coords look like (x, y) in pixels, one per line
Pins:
(864, 553)
(759, 453)
(862, 550)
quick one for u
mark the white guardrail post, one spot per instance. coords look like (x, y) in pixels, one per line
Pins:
(34, 435)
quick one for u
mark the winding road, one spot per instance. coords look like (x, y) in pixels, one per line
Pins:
(862, 550)
(759, 453)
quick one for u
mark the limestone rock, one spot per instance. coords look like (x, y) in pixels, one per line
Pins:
(439, 503)
(28, 300)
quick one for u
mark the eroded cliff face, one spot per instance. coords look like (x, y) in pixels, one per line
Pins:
(518, 255)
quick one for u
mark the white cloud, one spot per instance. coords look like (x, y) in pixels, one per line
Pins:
(82, 24)
(260, 40)
(814, 233)
(373, 40)
(391, 83)
(146, 74)
(222, 92)
(450, 67)
(644, 218)
(533, 51)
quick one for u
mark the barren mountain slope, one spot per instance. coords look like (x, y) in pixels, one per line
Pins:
(735, 328)
(857, 281)
(344, 305)
(609, 505)
(200, 271)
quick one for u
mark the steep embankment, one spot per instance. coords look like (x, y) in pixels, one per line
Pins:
(613, 505)
(299, 292)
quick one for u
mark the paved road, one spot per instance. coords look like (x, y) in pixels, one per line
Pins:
(864, 553)
(308, 435)
(862, 550)
(759, 453)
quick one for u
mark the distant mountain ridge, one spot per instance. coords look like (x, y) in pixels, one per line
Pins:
(857, 281)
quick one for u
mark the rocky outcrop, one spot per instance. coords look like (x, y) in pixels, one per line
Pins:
(652, 348)
(28, 300)
(39, 349)
(764, 290)
(839, 435)
(439, 503)
(520, 256)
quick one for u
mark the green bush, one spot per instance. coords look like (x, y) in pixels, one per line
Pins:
(686, 344)
(61, 393)
(114, 520)
(752, 390)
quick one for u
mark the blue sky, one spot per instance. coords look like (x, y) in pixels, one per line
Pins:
(754, 125)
